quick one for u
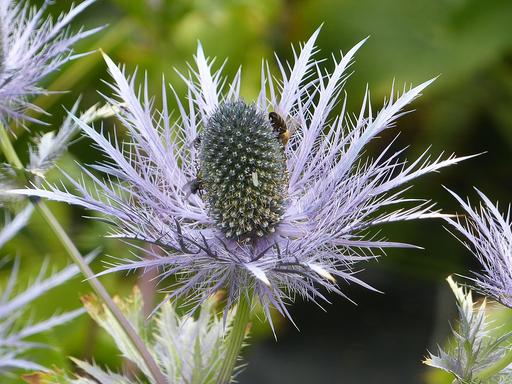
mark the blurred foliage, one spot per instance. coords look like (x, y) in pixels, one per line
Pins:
(467, 110)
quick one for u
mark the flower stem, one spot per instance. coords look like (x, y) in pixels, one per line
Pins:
(74, 253)
(495, 368)
(235, 339)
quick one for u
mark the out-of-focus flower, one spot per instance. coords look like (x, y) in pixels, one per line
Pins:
(488, 235)
(473, 349)
(13, 333)
(50, 146)
(272, 198)
(188, 349)
(32, 46)
(44, 154)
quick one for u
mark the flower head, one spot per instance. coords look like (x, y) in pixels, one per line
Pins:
(242, 171)
(31, 47)
(488, 235)
(270, 197)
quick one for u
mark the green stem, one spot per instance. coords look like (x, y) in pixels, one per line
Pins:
(495, 368)
(100, 290)
(235, 339)
(77, 258)
(8, 150)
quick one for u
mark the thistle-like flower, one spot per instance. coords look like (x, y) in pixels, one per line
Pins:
(13, 334)
(488, 235)
(475, 352)
(188, 349)
(270, 198)
(32, 46)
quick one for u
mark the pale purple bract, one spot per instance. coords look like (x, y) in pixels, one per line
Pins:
(488, 235)
(334, 194)
(31, 47)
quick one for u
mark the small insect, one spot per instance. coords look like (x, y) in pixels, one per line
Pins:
(195, 142)
(280, 127)
(193, 186)
(255, 179)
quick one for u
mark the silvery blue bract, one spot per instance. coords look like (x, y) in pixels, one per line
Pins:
(31, 47)
(333, 194)
(488, 235)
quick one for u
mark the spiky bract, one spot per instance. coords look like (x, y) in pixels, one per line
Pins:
(333, 195)
(14, 331)
(31, 47)
(475, 345)
(187, 349)
(242, 169)
(488, 235)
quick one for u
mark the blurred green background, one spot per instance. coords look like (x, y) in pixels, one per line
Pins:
(467, 110)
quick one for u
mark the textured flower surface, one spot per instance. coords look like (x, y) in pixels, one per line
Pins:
(31, 46)
(488, 235)
(474, 347)
(14, 334)
(271, 197)
(188, 349)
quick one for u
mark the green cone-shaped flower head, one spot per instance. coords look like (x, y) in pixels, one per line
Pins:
(243, 171)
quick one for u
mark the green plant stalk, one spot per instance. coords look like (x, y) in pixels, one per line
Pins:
(14, 160)
(8, 150)
(495, 368)
(235, 339)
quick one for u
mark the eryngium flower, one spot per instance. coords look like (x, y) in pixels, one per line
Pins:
(31, 46)
(273, 205)
(488, 235)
